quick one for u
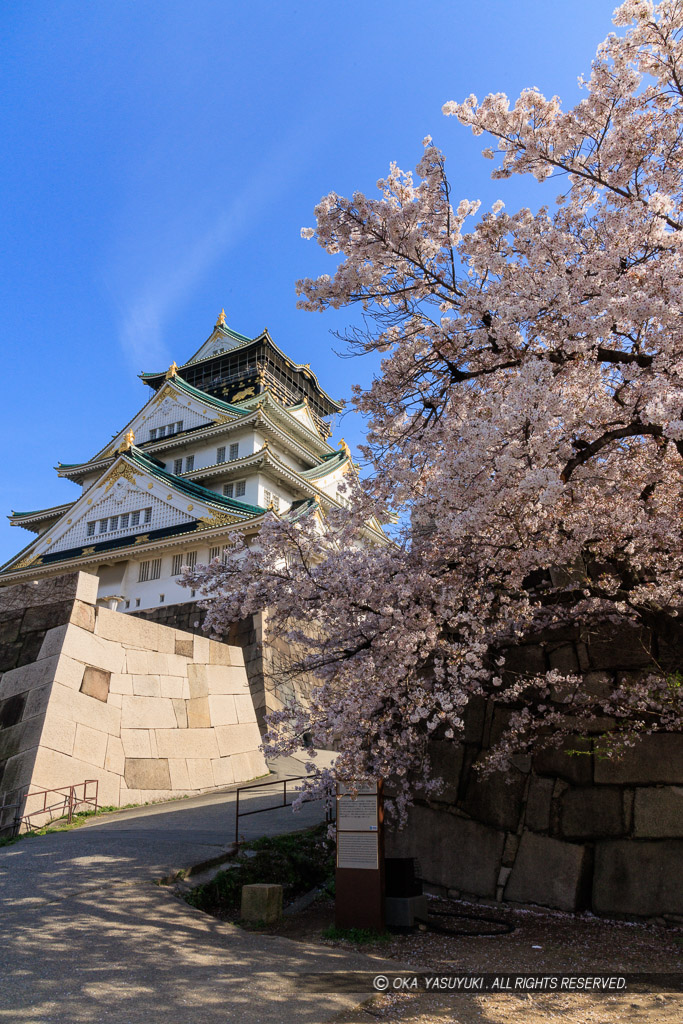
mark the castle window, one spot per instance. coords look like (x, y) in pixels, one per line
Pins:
(134, 518)
(137, 602)
(143, 572)
(161, 431)
(240, 488)
(170, 429)
(178, 466)
(214, 553)
(177, 565)
(124, 521)
(234, 451)
(155, 569)
(191, 559)
(148, 515)
(103, 525)
(179, 426)
(228, 490)
(153, 434)
(91, 529)
(220, 454)
(189, 463)
(162, 598)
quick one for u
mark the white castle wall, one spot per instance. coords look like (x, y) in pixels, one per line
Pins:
(149, 711)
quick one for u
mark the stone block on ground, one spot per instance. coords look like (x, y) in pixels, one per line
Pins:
(261, 902)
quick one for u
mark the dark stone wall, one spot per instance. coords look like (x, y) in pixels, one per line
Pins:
(27, 612)
(567, 830)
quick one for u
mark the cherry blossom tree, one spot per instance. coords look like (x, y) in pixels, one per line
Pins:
(526, 425)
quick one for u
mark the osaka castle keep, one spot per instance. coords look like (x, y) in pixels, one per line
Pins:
(236, 430)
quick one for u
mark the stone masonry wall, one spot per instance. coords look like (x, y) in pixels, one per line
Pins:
(88, 693)
(567, 831)
(266, 666)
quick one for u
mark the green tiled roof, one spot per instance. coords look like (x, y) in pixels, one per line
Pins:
(155, 468)
(42, 511)
(205, 397)
(329, 464)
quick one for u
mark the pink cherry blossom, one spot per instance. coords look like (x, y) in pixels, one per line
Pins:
(526, 428)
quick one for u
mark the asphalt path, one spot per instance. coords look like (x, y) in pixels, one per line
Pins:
(87, 934)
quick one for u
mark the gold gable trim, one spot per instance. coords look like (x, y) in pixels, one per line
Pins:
(216, 519)
(29, 560)
(122, 470)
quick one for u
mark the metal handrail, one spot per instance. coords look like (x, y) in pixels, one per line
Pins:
(68, 803)
(273, 807)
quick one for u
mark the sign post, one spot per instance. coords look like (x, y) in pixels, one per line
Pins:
(359, 877)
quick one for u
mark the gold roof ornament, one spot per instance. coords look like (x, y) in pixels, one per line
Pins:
(345, 447)
(127, 443)
(221, 319)
(172, 370)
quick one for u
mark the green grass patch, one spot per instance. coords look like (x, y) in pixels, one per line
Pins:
(63, 825)
(298, 862)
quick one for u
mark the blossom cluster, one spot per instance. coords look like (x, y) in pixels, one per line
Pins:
(527, 424)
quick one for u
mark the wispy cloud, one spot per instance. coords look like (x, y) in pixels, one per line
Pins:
(186, 249)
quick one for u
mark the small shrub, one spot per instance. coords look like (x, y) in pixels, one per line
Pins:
(298, 862)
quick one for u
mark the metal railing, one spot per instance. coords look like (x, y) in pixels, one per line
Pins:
(273, 807)
(68, 803)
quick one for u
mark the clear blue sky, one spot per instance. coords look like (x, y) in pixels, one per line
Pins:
(159, 158)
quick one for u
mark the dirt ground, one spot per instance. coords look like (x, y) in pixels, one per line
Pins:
(541, 942)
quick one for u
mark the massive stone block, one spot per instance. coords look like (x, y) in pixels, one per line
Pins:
(643, 878)
(453, 852)
(658, 812)
(549, 872)
(592, 812)
(107, 697)
(656, 758)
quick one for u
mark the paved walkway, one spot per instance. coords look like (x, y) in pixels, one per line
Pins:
(86, 935)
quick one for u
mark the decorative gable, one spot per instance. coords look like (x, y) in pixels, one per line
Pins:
(126, 511)
(221, 339)
(168, 412)
(303, 415)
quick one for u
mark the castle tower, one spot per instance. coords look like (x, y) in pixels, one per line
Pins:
(237, 429)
